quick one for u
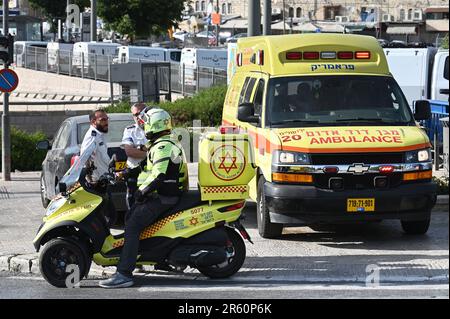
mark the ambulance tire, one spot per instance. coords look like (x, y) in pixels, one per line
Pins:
(266, 229)
(416, 227)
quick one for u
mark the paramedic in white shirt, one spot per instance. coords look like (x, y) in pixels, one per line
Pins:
(100, 159)
(134, 142)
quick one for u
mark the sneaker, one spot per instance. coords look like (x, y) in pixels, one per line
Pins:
(117, 281)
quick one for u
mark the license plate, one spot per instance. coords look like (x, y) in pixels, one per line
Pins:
(360, 204)
(120, 166)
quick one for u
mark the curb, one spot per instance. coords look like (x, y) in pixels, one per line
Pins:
(29, 264)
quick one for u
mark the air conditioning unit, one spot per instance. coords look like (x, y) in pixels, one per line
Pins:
(342, 19)
(417, 15)
(276, 11)
(387, 18)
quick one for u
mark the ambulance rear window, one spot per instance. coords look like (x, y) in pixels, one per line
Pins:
(247, 90)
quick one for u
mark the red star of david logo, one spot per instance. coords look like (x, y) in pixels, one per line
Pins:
(193, 221)
(228, 158)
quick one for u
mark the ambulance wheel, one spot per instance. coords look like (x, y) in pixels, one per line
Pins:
(416, 227)
(56, 256)
(236, 253)
(265, 228)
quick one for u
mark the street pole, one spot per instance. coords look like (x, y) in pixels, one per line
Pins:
(254, 17)
(284, 17)
(267, 17)
(6, 134)
(94, 20)
(69, 33)
(217, 26)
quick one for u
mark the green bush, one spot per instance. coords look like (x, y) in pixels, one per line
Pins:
(442, 185)
(205, 106)
(24, 156)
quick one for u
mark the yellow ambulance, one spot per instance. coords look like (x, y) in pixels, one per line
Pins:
(333, 137)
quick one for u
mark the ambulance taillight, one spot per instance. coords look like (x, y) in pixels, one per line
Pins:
(239, 59)
(293, 55)
(362, 55)
(345, 55)
(311, 55)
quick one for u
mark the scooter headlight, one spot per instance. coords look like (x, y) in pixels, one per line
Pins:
(54, 206)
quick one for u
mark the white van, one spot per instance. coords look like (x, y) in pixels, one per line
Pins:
(93, 55)
(59, 56)
(193, 59)
(30, 54)
(138, 53)
(420, 72)
(440, 76)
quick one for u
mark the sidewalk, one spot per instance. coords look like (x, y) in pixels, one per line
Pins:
(21, 214)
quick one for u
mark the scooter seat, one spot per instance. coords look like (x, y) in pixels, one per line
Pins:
(188, 200)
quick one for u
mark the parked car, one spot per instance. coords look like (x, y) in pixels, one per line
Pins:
(212, 39)
(235, 37)
(181, 35)
(65, 147)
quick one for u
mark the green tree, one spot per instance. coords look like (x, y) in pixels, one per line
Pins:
(54, 10)
(140, 17)
(444, 44)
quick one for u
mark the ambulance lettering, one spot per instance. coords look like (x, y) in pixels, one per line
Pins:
(351, 136)
(327, 66)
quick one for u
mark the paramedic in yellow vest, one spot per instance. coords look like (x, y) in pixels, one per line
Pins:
(161, 191)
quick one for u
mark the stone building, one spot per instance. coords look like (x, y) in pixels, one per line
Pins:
(25, 23)
(409, 20)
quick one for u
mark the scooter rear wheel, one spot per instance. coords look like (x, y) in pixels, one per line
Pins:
(54, 258)
(236, 257)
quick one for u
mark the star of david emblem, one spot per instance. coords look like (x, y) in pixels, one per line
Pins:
(193, 221)
(227, 158)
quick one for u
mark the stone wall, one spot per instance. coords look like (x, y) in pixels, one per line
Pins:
(48, 122)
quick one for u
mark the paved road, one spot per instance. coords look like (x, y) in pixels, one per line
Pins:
(149, 287)
(320, 262)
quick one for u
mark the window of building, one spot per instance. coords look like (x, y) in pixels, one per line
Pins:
(197, 6)
(229, 9)
(299, 12)
(203, 6)
(331, 12)
(291, 12)
(402, 14)
(410, 14)
(224, 8)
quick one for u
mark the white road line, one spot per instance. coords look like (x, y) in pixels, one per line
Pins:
(295, 288)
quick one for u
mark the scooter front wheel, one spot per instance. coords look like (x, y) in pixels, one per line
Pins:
(236, 253)
(61, 258)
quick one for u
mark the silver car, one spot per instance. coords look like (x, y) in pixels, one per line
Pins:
(65, 147)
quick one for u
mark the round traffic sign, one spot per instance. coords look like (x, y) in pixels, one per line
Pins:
(8, 80)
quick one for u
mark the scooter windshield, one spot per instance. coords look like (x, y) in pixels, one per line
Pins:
(74, 172)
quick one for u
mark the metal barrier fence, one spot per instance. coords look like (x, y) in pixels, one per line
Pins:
(439, 110)
(184, 80)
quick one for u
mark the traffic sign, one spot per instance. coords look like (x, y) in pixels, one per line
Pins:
(8, 80)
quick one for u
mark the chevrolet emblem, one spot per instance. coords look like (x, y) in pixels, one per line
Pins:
(358, 169)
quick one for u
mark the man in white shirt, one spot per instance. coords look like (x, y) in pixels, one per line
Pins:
(100, 159)
(134, 142)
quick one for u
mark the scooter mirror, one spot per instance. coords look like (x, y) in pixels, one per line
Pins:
(112, 162)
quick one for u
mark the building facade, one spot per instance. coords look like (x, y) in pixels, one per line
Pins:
(25, 23)
(409, 20)
(356, 10)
